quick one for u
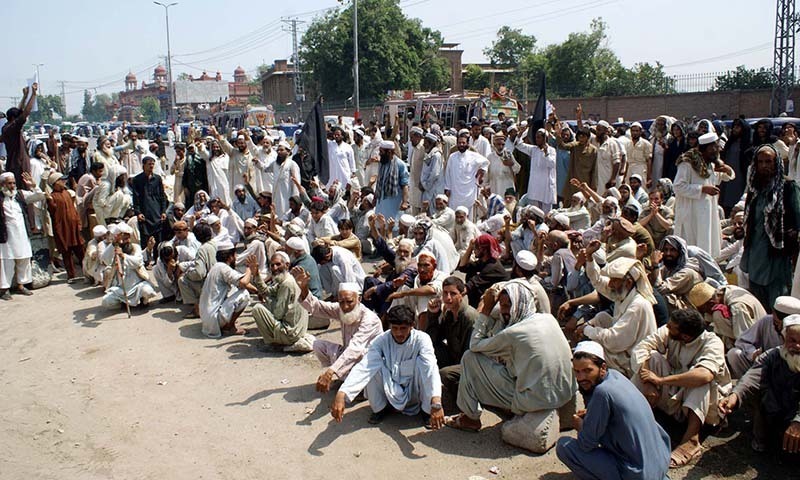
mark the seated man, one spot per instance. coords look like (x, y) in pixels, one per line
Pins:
(772, 388)
(166, 273)
(464, 231)
(561, 265)
(360, 326)
(399, 373)
(618, 436)
(521, 363)
(450, 322)
(426, 286)
(92, 268)
(219, 306)
(443, 216)
(184, 241)
(677, 274)
(195, 271)
(525, 263)
(625, 282)
(297, 248)
(484, 272)
(681, 370)
(345, 238)
(337, 265)
(731, 310)
(255, 246)
(281, 321)
(130, 280)
(399, 268)
(763, 336)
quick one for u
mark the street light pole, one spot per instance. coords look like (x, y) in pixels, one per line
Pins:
(356, 97)
(171, 86)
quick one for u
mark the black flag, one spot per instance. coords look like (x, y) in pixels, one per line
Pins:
(539, 115)
(315, 142)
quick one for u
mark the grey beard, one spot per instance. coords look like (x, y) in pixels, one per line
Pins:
(792, 360)
(350, 317)
(9, 193)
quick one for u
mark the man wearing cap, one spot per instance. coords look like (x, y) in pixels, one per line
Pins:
(360, 326)
(771, 388)
(337, 265)
(541, 189)
(256, 245)
(425, 286)
(525, 263)
(15, 246)
(416, 155)
(225, 294)
(731, 310)
(772, 219)
(463, 174)
(625, 282)
(681, 370)
(65, 222)
(609, 156)
(463, 231)
(263, 159)
(431, 180)
(195, 177)
(696, 189)
(392, 187)
(217, 168)
(341, 160)
(129, 280)
(280, 319)
(286, 174)
(241, 159)
(443, 216)
(243, 204)
(503, 168)
(763, 336)
(91, 258)
(618, 436)
(638, 156)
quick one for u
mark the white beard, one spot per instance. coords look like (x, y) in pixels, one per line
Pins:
(400, 265)
(792, 360)
(9, 193)
(350, 317)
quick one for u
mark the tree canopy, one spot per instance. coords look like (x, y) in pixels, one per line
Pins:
(395, 52)
(95, 109)
(48, 105)
(151, 109)
(744, 78)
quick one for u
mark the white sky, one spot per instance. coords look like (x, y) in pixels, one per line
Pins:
(94, 43)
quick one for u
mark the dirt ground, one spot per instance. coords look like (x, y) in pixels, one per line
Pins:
(89, 394)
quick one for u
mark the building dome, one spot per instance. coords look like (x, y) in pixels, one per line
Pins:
(160, 70)
(130, 77)
(239, 71)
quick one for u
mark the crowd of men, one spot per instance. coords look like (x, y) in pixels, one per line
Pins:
(516, 265)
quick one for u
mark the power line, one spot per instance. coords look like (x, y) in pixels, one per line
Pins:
(258, 41)
(726, 56)
(233, 42)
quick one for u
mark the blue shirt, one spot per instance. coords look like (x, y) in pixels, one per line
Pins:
(619, 420)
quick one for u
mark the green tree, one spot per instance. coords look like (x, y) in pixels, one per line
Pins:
(510, 47)
(151, 109)
(254, 100)
(744, 79)
(183, 76)
(475, 78)
(48, 105)
(86, 110)
(395, 52)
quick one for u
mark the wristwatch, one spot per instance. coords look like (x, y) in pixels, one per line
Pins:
(436, 406)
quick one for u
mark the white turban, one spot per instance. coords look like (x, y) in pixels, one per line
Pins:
(561, 219)
(462, 209)
(407, 220)
(603, 123)
(124, 228)
(212, 219)
(418, 131)
(349, 287)
(636, 124)
(252, 222)
(113, 229)
(284, 256)
(238, 187)
(526, 260)
(387, 145)
(297, 243)
(284, 144)
(580, 196)
(99, 230)
(442, 197)
(432, 137)
(790, 321)
(707, 138)
(787, 305)
(620, 267)
(593, 348)
(6, 176)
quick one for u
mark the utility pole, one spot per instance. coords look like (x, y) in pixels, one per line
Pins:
(356, 95)
(63, 98)
(171, 86)
(786, 21)
(299, 90)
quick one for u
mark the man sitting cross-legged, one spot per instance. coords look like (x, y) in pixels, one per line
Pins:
(399, 373)
(360, 326)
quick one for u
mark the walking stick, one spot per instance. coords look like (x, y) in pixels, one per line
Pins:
(122, 285)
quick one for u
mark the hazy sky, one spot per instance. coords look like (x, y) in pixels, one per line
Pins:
(93, 43)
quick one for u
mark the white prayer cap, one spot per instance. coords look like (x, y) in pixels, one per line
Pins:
(284, 144)
(487, 130)
(536, 211)
(526, 260)
(513, 127)
(612, 200)
(113, 229)
(212, 219)
(580, 196)
(387, 145)
(99, 230)
(124, 228)
(359, 131)
(442, 197)
(788, 305)
(561, 219)
(739, 205)
(283, 255)
(121, 170)
(738, 214)
(83, 140)
(463, 131)
(370, 198)
(790, 321)
(299, 222)
(436, 128)
(707, 138)
(636, 124)
(638, 177)
(432, 137)
(523, 124)
(590, 347)
(252, 222)
(407, 220)
(238, 187)
(241, 137)
(418, 131)
(462, 209)
(225, 245)
(297, 243)
(349, 287)
(6, 176)
(603, 123)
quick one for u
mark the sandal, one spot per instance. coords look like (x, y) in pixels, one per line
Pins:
(458, 422)
(679, 458)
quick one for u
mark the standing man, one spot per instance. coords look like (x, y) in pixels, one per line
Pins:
(149, 201)
(342, 161)
(17, 160)
(618, 436)
(80, 161)
(609, 157)
(463, 174)
(391, 190)
(195, 177)
(478, 142)
(286, 177)
(542, 181)
(66, 224)
(432, 176)
(15, 247)
(696, 191)
(639, 155)
(772, 217)
(416, 154)
(241, 159)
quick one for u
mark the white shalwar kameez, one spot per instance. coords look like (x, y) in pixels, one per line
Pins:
(342, 163)
(240, 164)
(16, 253)
(481, 145)
(217, 171)
(136, 288)
(404, 376)
(283, 187)
(460, 178)
(262, 162)
(542, 179)
(501, 176)
(696, 214)
(344, 267)
(216, 305)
